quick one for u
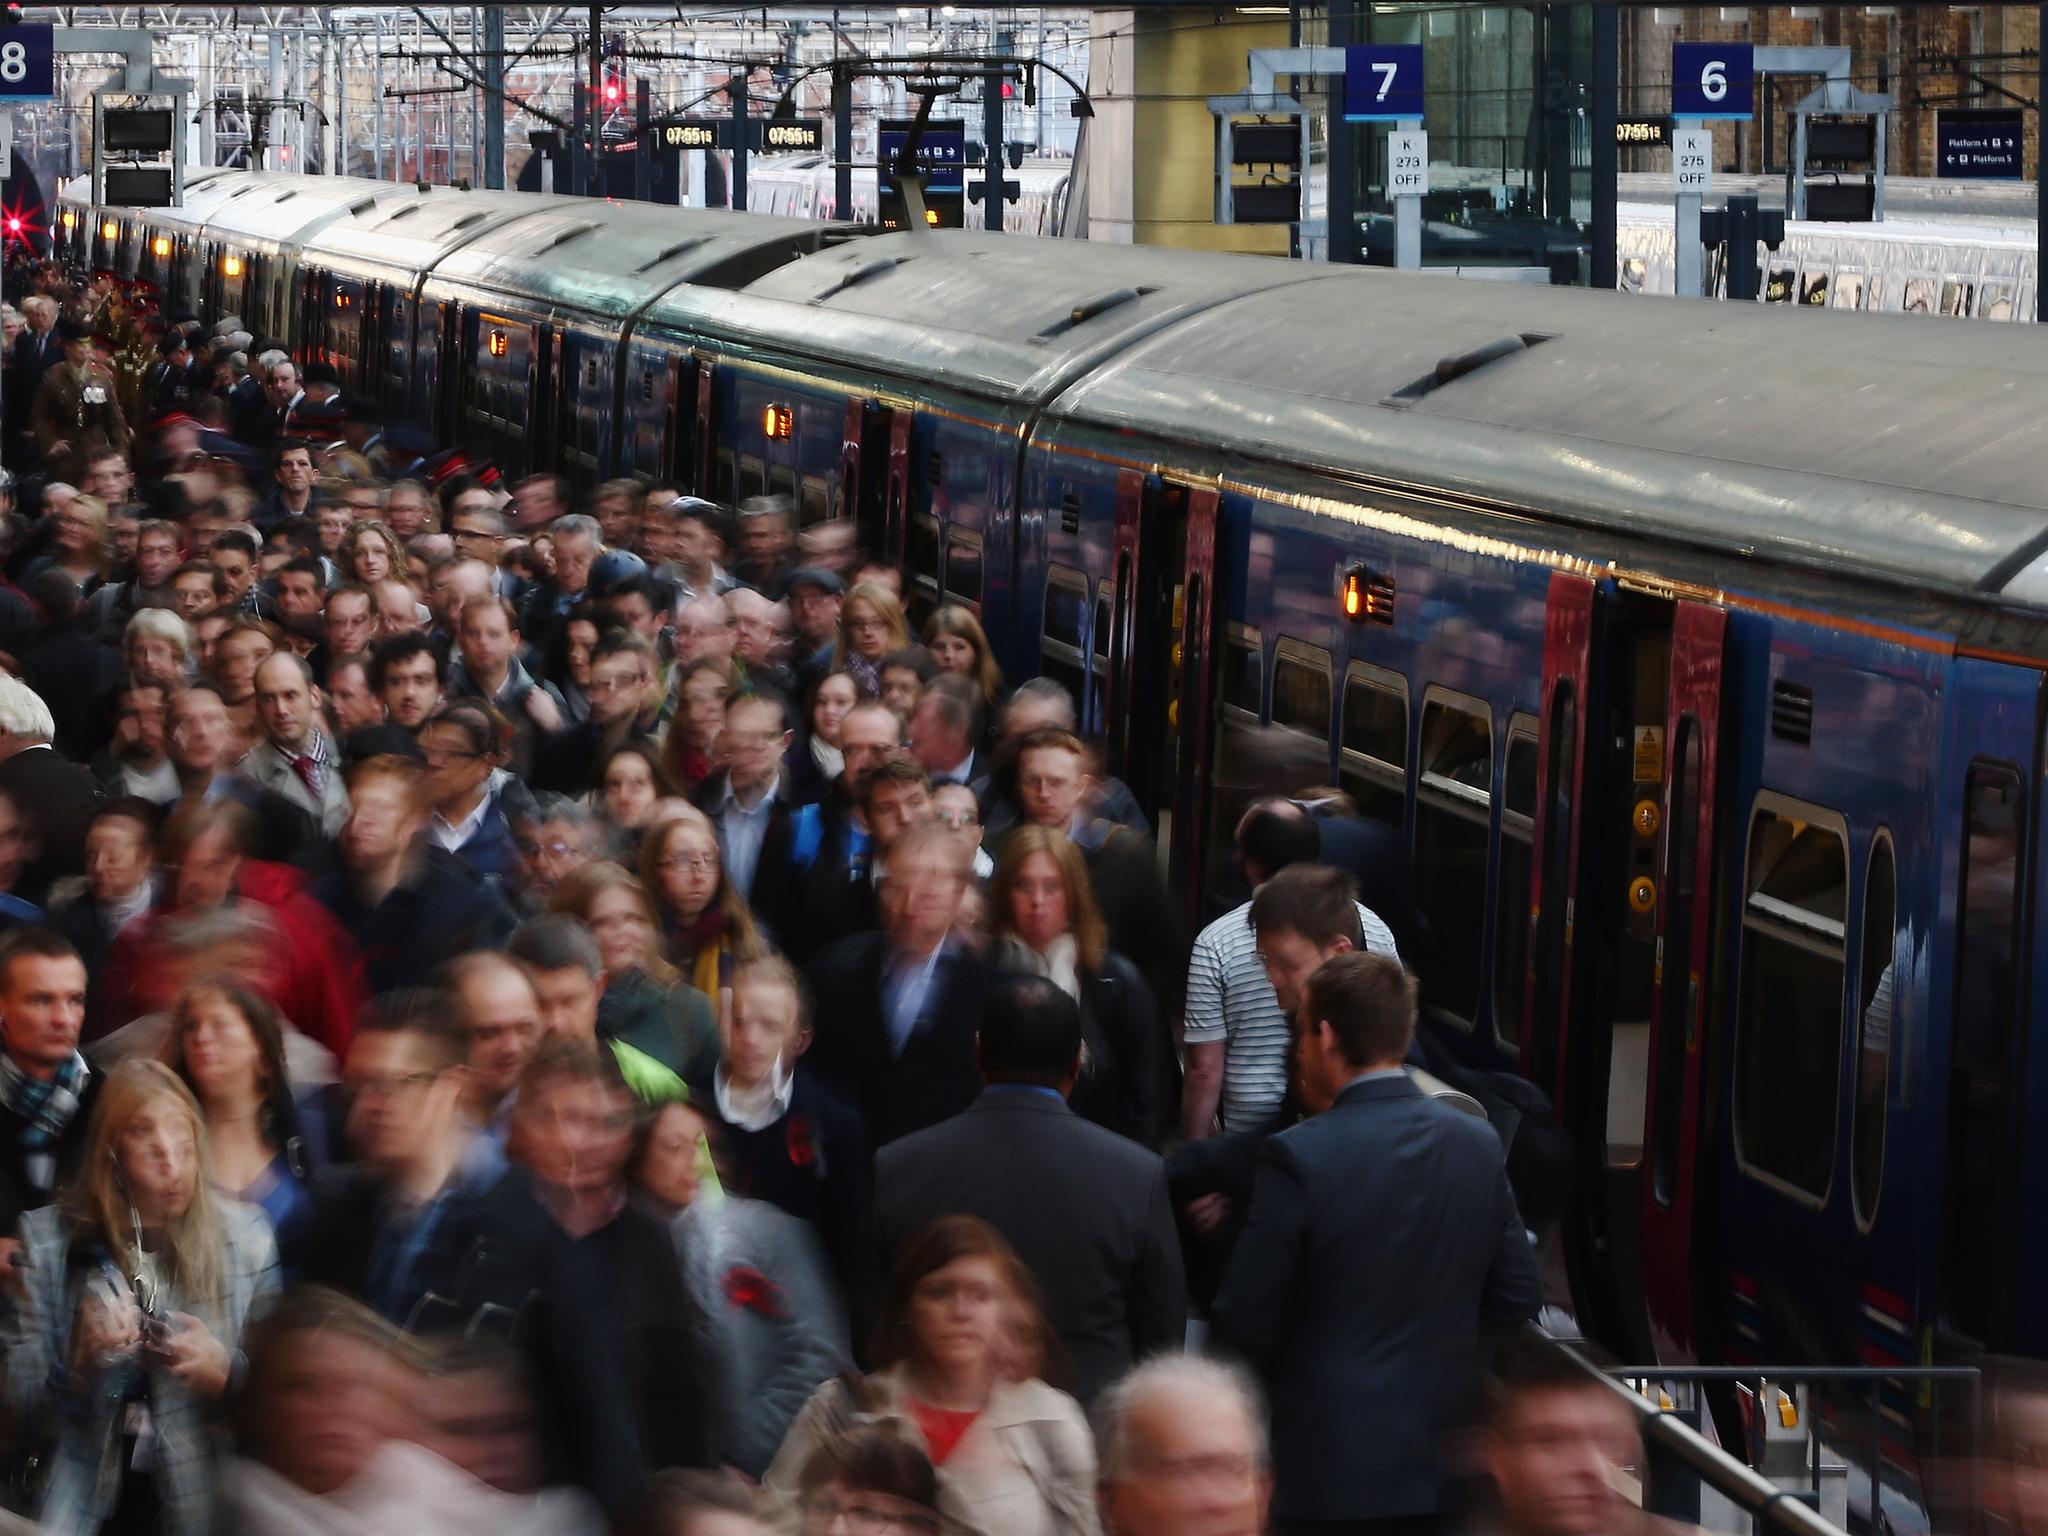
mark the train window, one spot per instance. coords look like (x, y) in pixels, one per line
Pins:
(1240, 773)
(963, 568)
(815, 504)
(1981, 1054)
(921, 565)
(1511, 900)
(1876, 1008)
(1374, 766)
(1301, 714)
(782, 482)
(1788, 1040)
(1060, 652)
(1100, 655)
(728, 477)
(1453, 816)
(753, 477)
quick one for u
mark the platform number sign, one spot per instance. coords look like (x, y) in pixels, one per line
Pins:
(1382, 82)
(1713, 80)
(28, 64)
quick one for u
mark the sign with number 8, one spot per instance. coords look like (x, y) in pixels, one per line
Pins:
(28, 64)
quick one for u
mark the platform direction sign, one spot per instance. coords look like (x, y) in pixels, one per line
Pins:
(1382, 82)
(1981, 145)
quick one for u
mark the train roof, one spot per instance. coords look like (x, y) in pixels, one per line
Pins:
(287, 209)
(992, 315)
(611, 258)
(380, 236)
(1912, 448)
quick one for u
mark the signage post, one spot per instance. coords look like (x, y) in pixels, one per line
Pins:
(1383, 84)
(1710, 82)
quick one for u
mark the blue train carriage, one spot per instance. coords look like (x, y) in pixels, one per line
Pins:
(135, 242)
(895, 379)
(1689, 663)
(549, 316)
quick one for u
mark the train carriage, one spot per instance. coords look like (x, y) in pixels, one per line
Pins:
(1698, 654)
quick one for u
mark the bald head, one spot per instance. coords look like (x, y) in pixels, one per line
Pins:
(500, 1018)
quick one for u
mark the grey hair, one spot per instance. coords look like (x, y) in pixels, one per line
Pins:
(580, 525)
(23, 714)
(1049, 691)
(555, 941)
(159, 624)
(1171, 1376)
(270, 359)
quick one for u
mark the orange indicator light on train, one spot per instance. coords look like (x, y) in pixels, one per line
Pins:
(499, 346)
(778, 422)
(70, 219)
(110, 230)
(161, 245)
(232, 266)
(1354, 593)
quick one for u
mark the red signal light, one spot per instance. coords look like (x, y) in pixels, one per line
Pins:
(1009, 90)
(613, 92)
(13, 224)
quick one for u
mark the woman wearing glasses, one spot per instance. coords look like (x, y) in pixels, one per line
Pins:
(137, 1289)
(705, 922)
(871, 625)
(1014, 1456)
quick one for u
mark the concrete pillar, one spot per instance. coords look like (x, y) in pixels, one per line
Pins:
(1151, 147)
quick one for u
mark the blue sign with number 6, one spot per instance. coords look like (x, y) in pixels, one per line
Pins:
(1382, 82)
(1716, 80)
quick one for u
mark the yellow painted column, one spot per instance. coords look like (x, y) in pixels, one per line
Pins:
(1152, 145)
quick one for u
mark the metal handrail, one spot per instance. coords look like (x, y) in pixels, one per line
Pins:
(1775, 1509)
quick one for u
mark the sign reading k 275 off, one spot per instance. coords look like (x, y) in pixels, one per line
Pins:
(1716, 80)
(1692, 161)
(1382, 82)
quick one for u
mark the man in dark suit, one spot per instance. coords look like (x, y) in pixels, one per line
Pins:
(944, 730)
(1086, 1209)
(900, 1008)
(1382, 1239)
(56, 796)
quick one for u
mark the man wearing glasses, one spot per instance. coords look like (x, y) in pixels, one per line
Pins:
(621, 710)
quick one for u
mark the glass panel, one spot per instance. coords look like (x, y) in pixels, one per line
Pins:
(1452, 834)
(1511, 902)
(963, 569)
(1375, 729)
(1982, 1060)
(1788, 1041)
(1563, 782)
(1678, 996)
(1240, 772)
(1874, 1015)
(1066, 613)
(1301, 694)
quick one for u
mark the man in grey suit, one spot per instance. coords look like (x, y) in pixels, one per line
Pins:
(1382, 1240)
(1086, 1209)
(296, 758)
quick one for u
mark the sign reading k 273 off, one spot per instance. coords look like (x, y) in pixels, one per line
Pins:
(1382, 82)
(28, 63)
(1407, 163)
(1716, 80)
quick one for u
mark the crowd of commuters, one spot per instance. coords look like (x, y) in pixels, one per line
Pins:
(514, 1017)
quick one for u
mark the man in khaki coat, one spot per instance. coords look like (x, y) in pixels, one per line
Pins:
(77, 412)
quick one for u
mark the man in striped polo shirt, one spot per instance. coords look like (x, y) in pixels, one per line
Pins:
(1237, 1032)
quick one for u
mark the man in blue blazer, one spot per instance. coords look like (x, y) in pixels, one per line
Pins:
(1382, 1240)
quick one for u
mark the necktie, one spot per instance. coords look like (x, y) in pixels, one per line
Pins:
(309, 771)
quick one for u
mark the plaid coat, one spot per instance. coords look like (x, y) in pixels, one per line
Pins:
(81, 1413)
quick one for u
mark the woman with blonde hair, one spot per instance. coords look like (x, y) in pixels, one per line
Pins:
(871, 625)
(78, 544)
(1045, 922)
(1014, 1456)
(960, 646)
(137, 1289)
(371, 552)
(646, 1003)
(706, 923)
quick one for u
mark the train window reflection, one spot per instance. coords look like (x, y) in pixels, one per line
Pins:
(963, 568)
(1241, 771)
(1060, 653)
(1789, 1036)
(1982, 1050)
(1453, 830)
(1374, 769)
(1876, 1009)
(922, 564)
(1511, 901)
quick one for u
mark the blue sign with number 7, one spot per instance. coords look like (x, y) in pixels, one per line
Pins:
(1713, 80)
(1382, 82)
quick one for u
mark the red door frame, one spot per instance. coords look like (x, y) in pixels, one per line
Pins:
(1567, 658)
(1698, 644)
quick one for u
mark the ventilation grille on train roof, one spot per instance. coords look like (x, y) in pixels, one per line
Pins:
(1457, 365)
(1792, 712)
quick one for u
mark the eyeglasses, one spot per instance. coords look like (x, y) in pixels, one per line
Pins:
(616, 684)
(690, 863)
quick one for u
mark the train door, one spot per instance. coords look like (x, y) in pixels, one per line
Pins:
(1162, 577)
(445, 405)
(1990, 769)
(1620, 937)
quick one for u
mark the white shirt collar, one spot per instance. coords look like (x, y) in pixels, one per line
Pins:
(733, 802)
(759, 1107)
(453, 837)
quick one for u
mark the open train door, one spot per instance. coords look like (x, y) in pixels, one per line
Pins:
(1554, 877)
(1685, 908)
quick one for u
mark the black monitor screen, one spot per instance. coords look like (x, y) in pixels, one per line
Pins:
(136, 130)
(139, 186)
